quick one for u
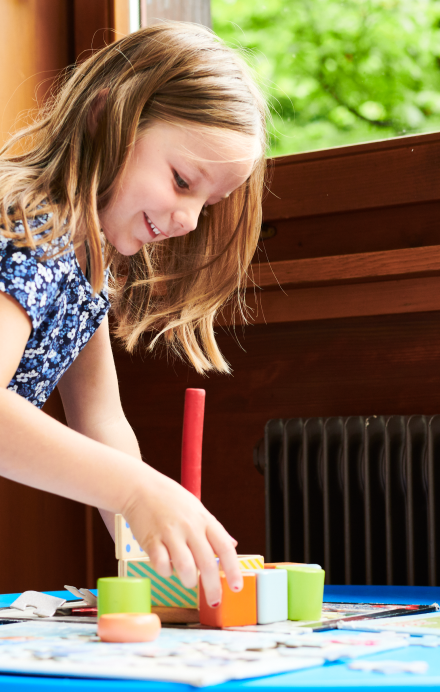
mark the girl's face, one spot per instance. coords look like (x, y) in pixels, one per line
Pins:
(173, 173)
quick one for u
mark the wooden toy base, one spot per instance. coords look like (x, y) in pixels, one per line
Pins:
(169, 593)
(176, 616)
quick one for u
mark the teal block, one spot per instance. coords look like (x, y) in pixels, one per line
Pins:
(271, 595)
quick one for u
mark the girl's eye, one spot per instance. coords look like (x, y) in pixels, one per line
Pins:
(180, 182)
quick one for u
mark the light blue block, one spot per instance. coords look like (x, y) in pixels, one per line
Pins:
(271, 595)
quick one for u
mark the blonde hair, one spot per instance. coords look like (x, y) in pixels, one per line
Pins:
(173, 72)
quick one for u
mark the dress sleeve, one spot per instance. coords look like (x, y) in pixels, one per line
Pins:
(23, 276)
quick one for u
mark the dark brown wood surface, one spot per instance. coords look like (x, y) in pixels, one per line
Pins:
(47, 541)
(98, 23)
(367, 215)
(42, 536)
(35, 45)
(348, 269)
(398, 171)
(349, 300)
(350, 232)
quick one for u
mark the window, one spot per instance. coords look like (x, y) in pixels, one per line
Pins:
(340, 71)
(135, 15)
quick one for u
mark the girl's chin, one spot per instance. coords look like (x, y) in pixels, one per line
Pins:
(125, 244)
(128, 247)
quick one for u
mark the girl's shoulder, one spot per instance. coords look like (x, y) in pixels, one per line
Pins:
(46, 276)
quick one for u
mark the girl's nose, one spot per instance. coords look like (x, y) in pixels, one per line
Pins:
(186, 219)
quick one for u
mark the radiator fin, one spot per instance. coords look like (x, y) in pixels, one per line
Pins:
(356, 495)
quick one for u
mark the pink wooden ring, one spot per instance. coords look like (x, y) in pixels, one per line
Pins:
(128, 627)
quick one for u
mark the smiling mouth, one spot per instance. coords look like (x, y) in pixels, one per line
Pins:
(154, 228)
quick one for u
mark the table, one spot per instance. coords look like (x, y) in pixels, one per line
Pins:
(335, 676)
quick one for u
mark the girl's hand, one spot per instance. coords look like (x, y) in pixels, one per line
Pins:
(172, 525)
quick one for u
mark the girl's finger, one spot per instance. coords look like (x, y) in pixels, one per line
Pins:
(160, 559)
(209, 570)
(220, 542)
(183, 562)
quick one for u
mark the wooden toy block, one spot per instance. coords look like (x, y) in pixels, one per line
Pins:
(171, 592)
(274, 565)
(126, 545)
(236, 609)
(123, 595)
(192, 438)
(164, 591)
(176, 616)
(251, 561)
(305, 590)
(271, 595)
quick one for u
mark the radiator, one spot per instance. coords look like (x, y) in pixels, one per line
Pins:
(356, 495)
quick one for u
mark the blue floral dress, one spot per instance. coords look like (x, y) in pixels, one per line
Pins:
(61, 305)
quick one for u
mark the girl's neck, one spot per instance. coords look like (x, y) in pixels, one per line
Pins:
(81, 256)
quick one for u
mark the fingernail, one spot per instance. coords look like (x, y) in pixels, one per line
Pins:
(215, 605)
(237, 587)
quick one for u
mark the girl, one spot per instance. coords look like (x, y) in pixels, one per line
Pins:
(145, 170)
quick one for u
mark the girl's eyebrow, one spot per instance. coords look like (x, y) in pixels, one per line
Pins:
(204, 172)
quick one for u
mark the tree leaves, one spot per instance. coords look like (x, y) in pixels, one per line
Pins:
(339, 71)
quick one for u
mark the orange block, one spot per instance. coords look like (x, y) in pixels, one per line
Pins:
(274, 565)
(236, 609)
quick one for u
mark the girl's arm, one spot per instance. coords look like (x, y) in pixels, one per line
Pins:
(40, 452)
(90, 394)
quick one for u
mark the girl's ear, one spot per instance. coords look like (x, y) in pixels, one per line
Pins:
(96, 110)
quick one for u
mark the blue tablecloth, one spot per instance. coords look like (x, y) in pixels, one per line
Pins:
(329, 677)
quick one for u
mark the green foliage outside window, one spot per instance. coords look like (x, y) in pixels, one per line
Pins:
(340, 71)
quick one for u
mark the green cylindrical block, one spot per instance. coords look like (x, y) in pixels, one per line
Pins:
(305, 588)
(124, 595)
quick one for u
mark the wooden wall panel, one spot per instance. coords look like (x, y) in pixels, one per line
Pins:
(98, 23)
(45, 540)
(42, 536)
(347, 232)
(359, 267)
(42, 540)
(35, 45)
(120, 18)
(398, 171)
(352, 300)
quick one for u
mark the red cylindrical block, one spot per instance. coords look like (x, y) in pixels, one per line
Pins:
(192, 440)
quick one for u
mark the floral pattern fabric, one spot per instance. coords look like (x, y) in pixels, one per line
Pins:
(61, 305)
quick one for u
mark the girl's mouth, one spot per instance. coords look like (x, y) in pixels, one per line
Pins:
(154, 228)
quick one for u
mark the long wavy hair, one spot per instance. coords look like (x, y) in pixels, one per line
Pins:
(175, 73)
